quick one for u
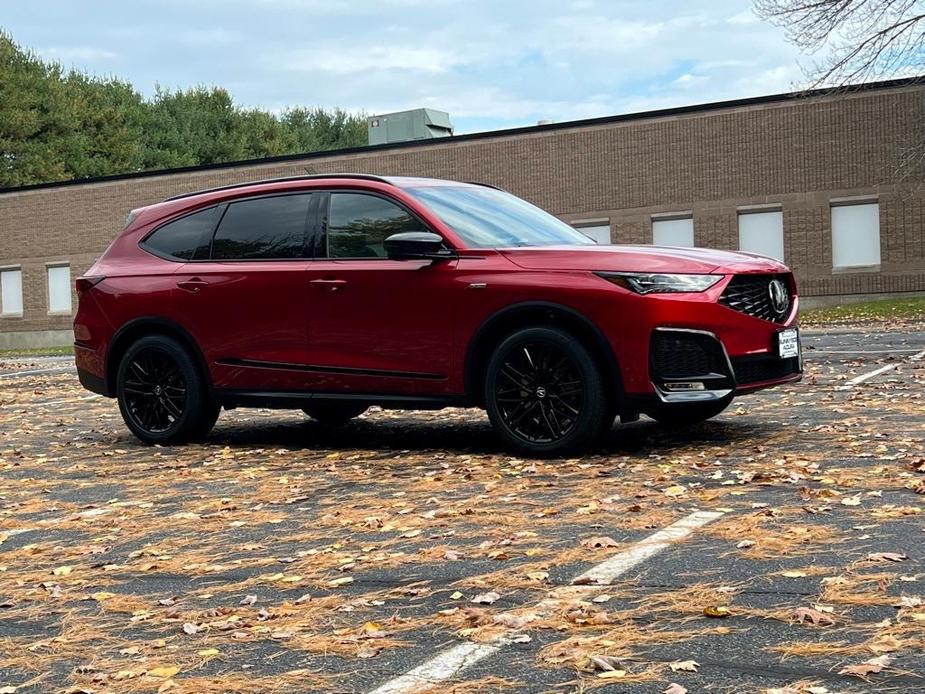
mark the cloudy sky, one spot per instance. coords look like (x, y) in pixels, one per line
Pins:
(490, 63)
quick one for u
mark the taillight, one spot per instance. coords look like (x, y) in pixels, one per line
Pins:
(85, 284)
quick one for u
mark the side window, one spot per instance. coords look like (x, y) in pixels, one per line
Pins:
(263, 228)
(186, 238)
(358, 224)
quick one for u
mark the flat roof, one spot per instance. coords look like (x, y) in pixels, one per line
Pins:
(492, 134)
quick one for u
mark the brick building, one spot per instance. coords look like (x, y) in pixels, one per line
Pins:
(813, 178)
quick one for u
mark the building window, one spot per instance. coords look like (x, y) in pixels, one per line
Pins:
(11, 292)
(762, 232)
(673, 231)
(59, 289)
(855, 235)
(599, 232)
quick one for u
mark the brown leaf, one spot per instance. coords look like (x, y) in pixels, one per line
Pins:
(599, 542)
(684, 666)
(675, 688)
(605, 662)
(868, 667)
(886, 556)
(486, 598)
(801, 614)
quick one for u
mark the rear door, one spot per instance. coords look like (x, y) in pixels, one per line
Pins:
(244, 297)
(377, 325)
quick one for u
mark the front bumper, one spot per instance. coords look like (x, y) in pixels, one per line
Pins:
(687, 365)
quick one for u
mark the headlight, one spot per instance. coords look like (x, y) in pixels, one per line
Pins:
(656, 283)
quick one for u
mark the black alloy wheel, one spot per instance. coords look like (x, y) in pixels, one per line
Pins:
(162, 394)
(544, 393)
(155, 390)
(539, 392)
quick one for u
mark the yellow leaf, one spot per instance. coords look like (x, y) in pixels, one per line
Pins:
(611, 674)
(340, 581)
(209, 652)
(63, 570)
(102, 595)
(716, 611)
(165, 671)
(676, 490)
(793, 574)
(456, 595)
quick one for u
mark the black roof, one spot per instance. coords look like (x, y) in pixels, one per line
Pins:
(492, 134)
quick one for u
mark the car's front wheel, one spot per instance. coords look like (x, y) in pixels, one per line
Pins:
(162, 396)
(334, 413)
(544, 393)
(685, 414)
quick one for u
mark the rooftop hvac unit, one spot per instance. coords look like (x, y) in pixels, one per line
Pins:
(404, 126)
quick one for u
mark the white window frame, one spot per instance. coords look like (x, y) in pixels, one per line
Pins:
(779, 249)
(9, 271)
(584, 224)
(52, 294)
(673, 218)
(871, 262)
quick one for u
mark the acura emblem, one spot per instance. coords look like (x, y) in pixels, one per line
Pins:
(780, 300)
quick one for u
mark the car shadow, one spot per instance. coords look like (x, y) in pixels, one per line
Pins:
(471, 435)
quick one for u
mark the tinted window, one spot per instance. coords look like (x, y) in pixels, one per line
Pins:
(262, 228)
(186, 238)
(358, 224)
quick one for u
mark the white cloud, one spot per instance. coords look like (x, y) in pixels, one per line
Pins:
(373, 58)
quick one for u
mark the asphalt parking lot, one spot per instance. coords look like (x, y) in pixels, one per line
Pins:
(778, 548)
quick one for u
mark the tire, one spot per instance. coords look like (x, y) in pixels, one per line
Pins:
(333, 412)
(687, 414)
(162, 395)
(545, 394)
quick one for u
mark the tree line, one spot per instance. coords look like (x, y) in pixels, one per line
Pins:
(58, 125)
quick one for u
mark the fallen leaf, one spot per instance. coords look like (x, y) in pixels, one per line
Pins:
(208, 652)
(868, 667)
(886, 556)
(717, 612)
(605, 662)
(801, 614)
(793, 574)
(165, 672)
(486, 598)
(598, 542)
(676, 490)
(675, 688)
(63, 570)
(684, 666)
(612, 674)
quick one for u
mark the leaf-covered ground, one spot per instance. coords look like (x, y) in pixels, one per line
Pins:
(284, 557)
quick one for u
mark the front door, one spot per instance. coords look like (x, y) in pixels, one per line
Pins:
(377, 325)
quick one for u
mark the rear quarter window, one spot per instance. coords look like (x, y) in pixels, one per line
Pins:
(186, 238)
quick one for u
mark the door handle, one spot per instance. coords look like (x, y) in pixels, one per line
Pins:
(330, 285)
(192, 285)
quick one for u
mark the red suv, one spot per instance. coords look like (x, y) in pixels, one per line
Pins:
(333, 293)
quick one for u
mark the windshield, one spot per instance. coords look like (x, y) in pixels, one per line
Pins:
(490, 218)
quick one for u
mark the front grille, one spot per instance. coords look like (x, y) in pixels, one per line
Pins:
(751, 370)
(679, 355)
(751, 294)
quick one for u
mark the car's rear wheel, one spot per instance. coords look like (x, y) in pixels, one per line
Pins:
(162, 396)
(544, 393)
(688, 413)
(334, 413)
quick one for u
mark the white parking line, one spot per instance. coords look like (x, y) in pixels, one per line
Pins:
(857, 380)
(453, 661)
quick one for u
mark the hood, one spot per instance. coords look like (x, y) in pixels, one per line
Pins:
(640, 259)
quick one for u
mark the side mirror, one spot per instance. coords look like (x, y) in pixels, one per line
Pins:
(417, 245)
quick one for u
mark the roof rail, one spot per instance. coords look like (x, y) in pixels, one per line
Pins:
(304, 177)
